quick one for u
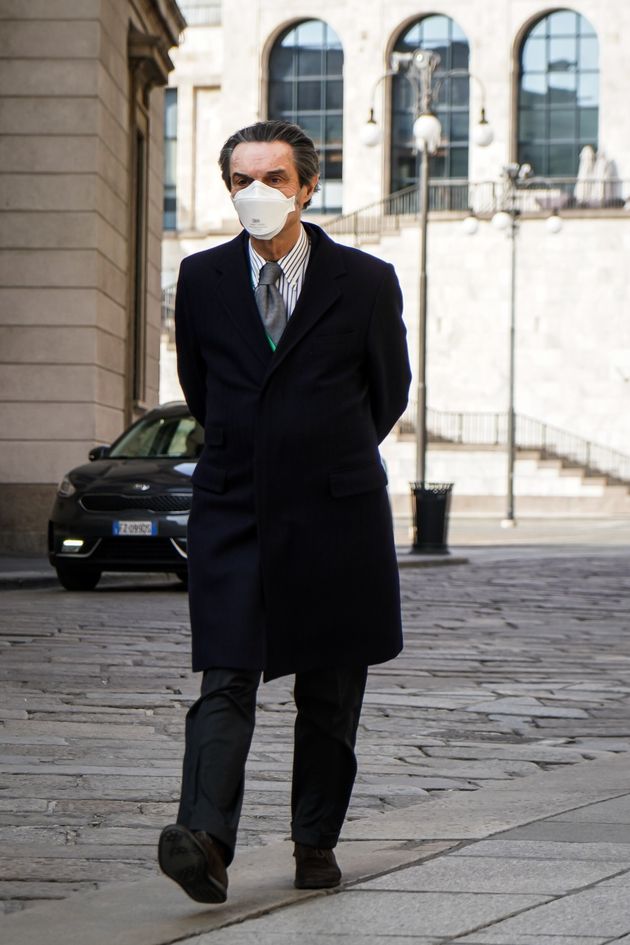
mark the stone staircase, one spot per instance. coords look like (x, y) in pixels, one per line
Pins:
(543, 486)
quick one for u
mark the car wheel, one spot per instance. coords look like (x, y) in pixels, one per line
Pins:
(183, 577)
(77, 579)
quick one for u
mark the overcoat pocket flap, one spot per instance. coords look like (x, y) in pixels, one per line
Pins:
(209, 477)
(354, 481)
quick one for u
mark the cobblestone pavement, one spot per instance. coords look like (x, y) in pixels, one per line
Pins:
(515, 663)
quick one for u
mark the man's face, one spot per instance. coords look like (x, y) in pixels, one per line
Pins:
(272, 163)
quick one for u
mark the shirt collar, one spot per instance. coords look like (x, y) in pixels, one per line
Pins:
(290, 264)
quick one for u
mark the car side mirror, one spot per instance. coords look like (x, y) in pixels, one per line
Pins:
(98, 452)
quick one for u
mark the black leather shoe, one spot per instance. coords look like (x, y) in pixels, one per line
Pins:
(195, 861)
(315, 868)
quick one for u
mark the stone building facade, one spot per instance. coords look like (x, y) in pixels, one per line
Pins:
(552, 79)
(81, 115)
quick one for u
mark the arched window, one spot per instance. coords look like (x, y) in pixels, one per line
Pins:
(558, 93)
(306, 87)
(451, 102)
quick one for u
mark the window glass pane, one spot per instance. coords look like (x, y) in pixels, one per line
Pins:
(459, 126)
(435, 27)
(588, 118)
(588, 89)
(334, 94)
(309, 58)
(331, 165)
(459, 162)
(563, 23)
(533, 124)
(535, 55)
(334, 62)
(589, 58)
(534, 90)
(562, 160)
(310, 33)
(540, 29)
(559, 55)
(310, 62)
(283, 62)
(460, 91)
(563, 124)
(280, 97)
(334, 130)
(563, 54)
(529, 153)
(169, 206)
(309, 96)
(313, 126)
(459, 55)
(445, 37)
(562, 88)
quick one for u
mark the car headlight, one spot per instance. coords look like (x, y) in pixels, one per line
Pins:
(66, 487)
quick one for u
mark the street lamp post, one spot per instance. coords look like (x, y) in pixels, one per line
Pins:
(508, 220)
(418, 68)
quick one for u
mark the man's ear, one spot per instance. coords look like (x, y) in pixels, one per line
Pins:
(310, 189)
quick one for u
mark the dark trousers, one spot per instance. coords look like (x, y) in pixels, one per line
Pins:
(219, 730)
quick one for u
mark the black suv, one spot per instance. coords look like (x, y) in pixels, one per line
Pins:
(127, 509)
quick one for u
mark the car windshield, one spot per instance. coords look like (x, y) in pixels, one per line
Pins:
(173, 437)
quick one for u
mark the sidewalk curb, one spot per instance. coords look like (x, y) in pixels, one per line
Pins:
(156, 912)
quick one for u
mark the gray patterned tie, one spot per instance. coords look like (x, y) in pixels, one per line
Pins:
(270, 303)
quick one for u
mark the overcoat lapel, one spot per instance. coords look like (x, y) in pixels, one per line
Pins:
(234, 290)
(321, 288)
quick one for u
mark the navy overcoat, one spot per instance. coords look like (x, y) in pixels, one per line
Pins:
(290, 543)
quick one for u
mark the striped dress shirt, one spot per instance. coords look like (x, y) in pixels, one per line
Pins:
(293, 267)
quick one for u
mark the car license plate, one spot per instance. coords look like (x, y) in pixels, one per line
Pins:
(135, 528)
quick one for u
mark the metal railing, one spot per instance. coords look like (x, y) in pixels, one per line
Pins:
(533, 196)
(490, 429)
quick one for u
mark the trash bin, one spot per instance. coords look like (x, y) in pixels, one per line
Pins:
(431, 503)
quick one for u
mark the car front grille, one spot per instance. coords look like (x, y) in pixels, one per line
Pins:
(161, 502)
(137, 549)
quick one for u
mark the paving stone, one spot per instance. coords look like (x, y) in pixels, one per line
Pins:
(615, 811)
(380, 913)
(571, 832)
(549, 850)
(526, 708)
(495, 875)
(602, 911)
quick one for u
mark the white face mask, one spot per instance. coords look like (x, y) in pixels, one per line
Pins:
(262, 210)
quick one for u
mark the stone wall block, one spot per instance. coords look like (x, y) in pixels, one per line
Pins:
(47, 306)
(49, 268)
(47, 420)
(50, 9)
(42, 230)
(32, 345)
(27, 77)
(48, 153)
(48, 382)
(47, 39)
(46, 116)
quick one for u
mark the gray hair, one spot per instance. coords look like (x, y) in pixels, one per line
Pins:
(304, 153)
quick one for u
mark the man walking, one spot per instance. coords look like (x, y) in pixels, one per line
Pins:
(292, 356)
